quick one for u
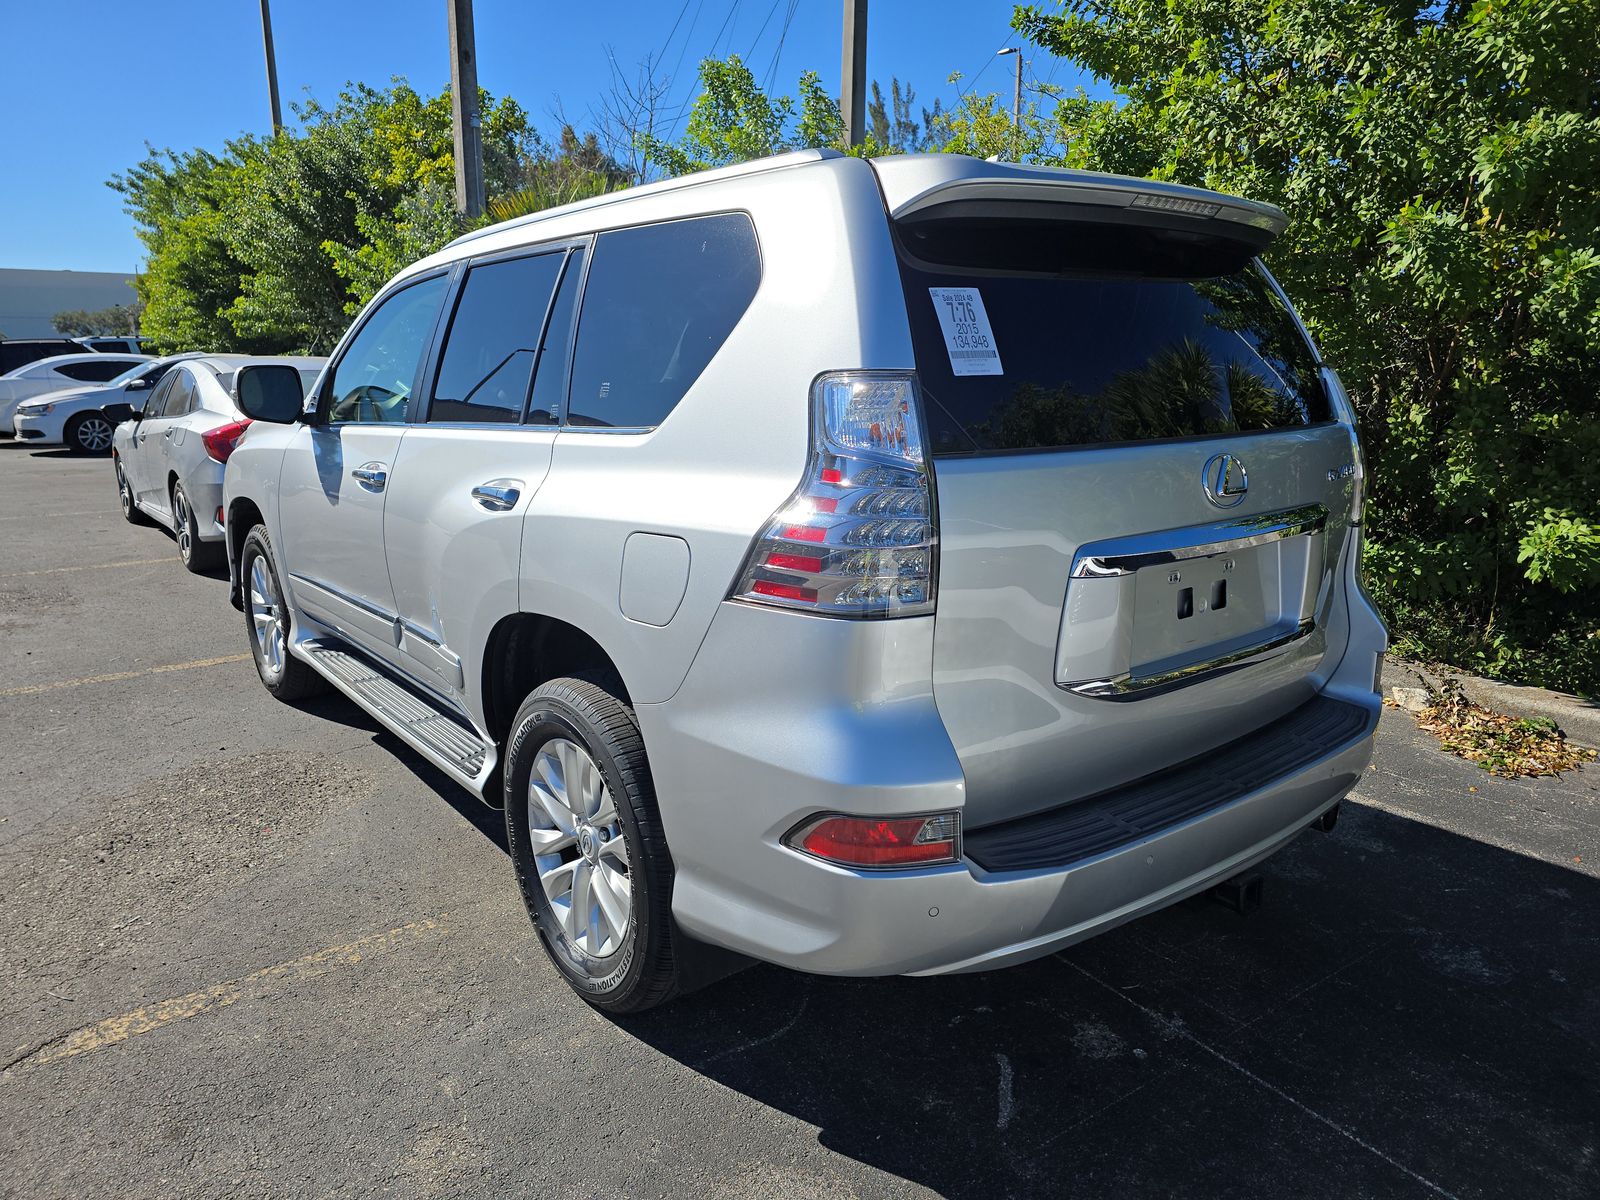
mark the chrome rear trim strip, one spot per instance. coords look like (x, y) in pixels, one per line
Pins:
(1126, 555)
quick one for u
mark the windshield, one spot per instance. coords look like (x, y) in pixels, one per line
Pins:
(137, 372)
(1024, 342)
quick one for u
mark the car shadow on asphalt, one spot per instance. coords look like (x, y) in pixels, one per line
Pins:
(1411, 1012)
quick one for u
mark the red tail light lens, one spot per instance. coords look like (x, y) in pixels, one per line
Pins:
(859, 537)
(220, 442)
(881, 843)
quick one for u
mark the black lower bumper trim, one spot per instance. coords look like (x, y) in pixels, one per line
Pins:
(1062, 836)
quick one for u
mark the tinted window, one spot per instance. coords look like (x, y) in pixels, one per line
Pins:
(94, 372)
(374, 377)
(180, 397)
(550, 382)
(1086, 356)
(490, 351)
(658, 304)
(157, 399)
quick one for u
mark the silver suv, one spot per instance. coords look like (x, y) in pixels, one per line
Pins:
(894, 567)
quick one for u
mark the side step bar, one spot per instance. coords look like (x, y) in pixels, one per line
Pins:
(419, 722)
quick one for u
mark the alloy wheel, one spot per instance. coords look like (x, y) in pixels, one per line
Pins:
(94, 434)
(180, 517)
(124, 490)
(578, 848)
(265, 627)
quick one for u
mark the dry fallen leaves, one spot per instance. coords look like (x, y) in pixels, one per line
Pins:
(1502, 745)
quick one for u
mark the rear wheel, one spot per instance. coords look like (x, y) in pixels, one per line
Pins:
(198, 556)
(88, 433)
(131, 512)
(587, 843)
(267, 620)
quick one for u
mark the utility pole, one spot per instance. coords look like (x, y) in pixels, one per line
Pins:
(1016, 104)
(272, 67)
(853, 72)
(464, 109)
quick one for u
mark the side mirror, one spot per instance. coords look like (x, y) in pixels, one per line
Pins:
(118, 413)
(137, 385)
(269, 392)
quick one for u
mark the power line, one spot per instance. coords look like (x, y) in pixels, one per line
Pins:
(750, 53)
(777, 53)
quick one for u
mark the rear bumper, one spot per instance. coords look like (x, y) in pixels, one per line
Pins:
(840, 718)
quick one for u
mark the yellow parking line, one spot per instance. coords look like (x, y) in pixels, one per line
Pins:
(33, 689)
(132, 562)
(91, 512)
(115, 1030)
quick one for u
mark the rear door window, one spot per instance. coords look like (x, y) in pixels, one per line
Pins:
(1061, 342)
(659, 302)
(94, 372)
(180, 397)
(487, 368)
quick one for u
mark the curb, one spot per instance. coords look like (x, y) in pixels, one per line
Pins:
(1575, 716)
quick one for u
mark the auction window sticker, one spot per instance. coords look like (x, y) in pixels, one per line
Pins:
(967, 336)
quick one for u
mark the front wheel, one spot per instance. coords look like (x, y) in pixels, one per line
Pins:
(586, 840)
(131, 512)
(88, 433)
(267, 619)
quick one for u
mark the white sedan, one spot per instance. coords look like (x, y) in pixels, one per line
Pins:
(82, 418)
(54, 374)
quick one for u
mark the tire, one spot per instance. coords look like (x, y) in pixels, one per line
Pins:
(131, 512)
(282, 674)
(88, 433)
(577, 732)
(200, 557)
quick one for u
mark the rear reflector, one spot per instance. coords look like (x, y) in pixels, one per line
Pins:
(880, 843)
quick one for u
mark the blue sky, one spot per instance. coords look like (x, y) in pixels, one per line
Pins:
(87, 83)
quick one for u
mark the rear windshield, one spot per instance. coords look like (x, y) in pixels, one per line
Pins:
(1050, 347)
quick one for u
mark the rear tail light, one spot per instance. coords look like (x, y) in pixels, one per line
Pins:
(220, 442)
(880, 842)
(859, 538)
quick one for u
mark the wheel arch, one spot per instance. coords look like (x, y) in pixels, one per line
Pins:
(525, 650)
(243, 516)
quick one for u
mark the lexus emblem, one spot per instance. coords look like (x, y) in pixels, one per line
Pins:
(1225, 480)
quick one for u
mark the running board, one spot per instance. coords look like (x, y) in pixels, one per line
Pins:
(440, 738)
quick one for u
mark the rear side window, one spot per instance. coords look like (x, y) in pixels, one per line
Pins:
(489, 354)
(1061, 343)
(659, 302)
(94, 372)
(180, 397)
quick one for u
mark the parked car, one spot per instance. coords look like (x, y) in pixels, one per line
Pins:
(114, 345)
(877, 567)
(169, 457)
(19, 352)
(54, 374)
(82, 418)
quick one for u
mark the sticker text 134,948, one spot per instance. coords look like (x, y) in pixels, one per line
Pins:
(967, 335)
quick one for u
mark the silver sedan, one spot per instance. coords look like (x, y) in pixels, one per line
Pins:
(169, 459)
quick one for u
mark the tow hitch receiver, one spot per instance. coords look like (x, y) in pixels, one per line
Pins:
(1242, 893)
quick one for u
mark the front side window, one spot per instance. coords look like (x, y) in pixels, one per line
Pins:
(374, 378)
(659, 302)
(492, 347)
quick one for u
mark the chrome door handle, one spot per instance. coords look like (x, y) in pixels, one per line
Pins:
(372, 476)
(497, 495)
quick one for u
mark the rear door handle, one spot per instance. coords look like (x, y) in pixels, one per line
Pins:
(498, 495)
(372, 475)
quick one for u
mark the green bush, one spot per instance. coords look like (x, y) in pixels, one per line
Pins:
(1441, 167)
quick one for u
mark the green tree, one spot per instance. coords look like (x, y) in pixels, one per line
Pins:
(1440, 163)
(733, 120)
(120, 320)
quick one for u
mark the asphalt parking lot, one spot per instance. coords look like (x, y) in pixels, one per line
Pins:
(254, 950)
